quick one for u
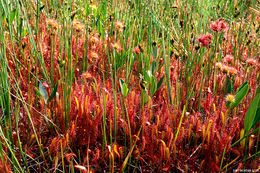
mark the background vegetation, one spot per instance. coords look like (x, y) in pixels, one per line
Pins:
(129, 86)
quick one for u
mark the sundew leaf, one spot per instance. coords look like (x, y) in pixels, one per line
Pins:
(43, 92)
(251, 113)
(242, 91)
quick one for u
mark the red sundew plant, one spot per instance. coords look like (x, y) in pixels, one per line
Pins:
(137, 50)
(205, 40)
(79, 95)
(218, 26)
(229, 59)
(119, 25)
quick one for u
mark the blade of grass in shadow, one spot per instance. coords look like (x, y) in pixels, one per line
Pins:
(179, 126)
(10, 150)
(130, 152)
(166, 66)
(114, 93)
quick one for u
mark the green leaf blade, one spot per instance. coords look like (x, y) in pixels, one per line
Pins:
(251, 113)
(160, 82)
(53, 93)
(153, 85)
(242, 92)
(123, 87)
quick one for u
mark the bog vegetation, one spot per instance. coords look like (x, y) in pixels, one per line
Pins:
(129, 85)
